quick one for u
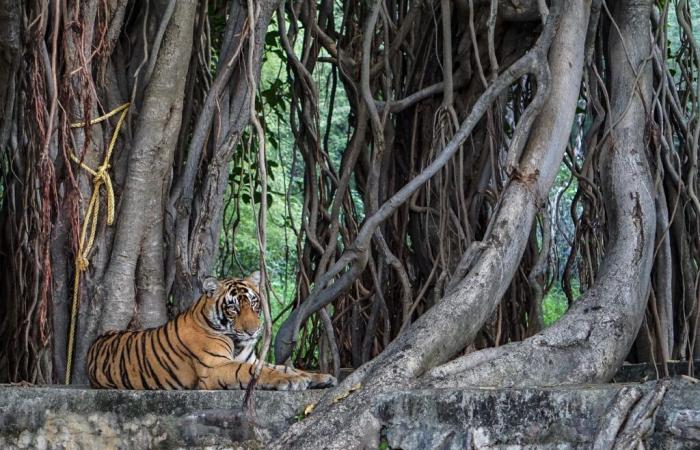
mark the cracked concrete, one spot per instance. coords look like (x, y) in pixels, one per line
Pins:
(562, 418)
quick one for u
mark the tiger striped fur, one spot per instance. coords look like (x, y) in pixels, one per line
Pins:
(209, 346)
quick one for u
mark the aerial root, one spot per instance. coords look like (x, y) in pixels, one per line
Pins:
(630, 418)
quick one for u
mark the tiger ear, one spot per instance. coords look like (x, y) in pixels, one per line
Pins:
(210, 285)
(254, 278)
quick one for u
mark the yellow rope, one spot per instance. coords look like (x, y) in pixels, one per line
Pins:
(100, 177)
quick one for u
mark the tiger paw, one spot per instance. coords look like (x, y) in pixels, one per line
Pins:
(321, 380)
(294, 383)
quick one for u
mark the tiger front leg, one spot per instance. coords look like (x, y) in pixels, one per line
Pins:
(317, 380)
(237, 375)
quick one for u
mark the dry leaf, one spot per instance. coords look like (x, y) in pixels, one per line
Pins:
(344, 395)
(308, 409)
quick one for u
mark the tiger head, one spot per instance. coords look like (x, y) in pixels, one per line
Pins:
(233, 307)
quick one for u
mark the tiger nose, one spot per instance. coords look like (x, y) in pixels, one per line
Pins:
(250, 327)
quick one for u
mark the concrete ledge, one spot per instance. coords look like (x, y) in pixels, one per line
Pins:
(550, 418)
(67, 417)
(59, 417)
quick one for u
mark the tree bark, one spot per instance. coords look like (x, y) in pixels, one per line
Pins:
(592, 339)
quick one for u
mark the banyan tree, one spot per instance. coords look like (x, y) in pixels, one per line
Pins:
(442, 166)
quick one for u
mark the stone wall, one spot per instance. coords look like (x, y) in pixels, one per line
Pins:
(59, 417)
(75, 418)
(517, 418)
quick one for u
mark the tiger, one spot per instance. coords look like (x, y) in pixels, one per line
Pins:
(211, 345)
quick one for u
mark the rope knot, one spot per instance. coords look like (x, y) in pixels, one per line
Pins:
(101, 175)
(82, 263)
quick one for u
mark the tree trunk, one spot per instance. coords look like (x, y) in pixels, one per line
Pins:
(116, 52)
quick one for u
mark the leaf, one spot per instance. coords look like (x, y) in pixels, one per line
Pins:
(308, 409)
(345, 394)
(340, 397)
(271, 38)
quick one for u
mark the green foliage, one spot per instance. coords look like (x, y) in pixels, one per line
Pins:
(555, 304)
(561, 196)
